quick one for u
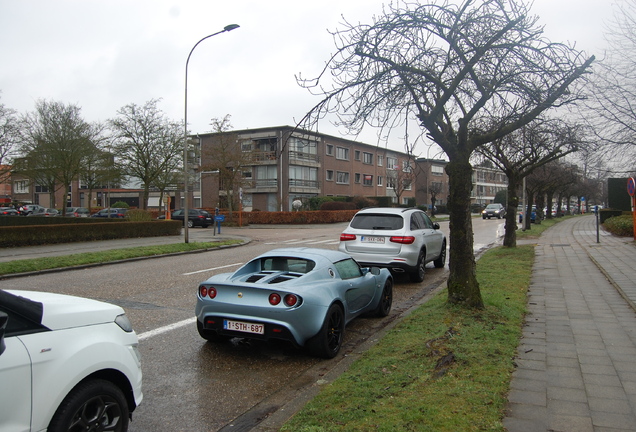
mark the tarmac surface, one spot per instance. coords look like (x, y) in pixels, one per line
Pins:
(576, 362)
(577, 357)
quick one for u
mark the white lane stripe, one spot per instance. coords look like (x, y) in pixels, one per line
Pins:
(323, 241)
(166, 329)
(211, 269)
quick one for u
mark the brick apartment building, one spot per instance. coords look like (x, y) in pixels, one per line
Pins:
(288, 164)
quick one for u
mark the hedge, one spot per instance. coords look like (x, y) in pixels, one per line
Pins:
(291, 218)
(63, 232)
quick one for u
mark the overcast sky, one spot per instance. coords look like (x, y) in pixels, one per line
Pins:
(104, 54)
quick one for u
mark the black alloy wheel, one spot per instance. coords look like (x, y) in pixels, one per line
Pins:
(440, 262)
(328, 341)
(418, 275)
(94, 406)
(384, 307)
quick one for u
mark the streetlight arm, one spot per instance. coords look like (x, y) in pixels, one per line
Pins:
(186, 215)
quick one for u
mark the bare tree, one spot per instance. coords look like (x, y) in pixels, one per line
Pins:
(9, 133)
(56, 141)
(227, 157)
(147, 143)
(613, 96)
(449, 66)
(519, 153)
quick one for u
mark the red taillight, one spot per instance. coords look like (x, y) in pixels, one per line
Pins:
(274, 299)
(403, 239)
(347, 237)
(207, 291)
(291, 299)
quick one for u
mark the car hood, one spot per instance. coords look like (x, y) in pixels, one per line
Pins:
(62, 311)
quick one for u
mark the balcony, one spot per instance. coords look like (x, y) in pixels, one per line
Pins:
(299, 186)
(264, 157)
(303, 158)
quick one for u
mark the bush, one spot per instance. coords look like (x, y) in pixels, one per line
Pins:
(139, 215)
(120, 204)
(620, 225)
(337, 205)
(363, 202)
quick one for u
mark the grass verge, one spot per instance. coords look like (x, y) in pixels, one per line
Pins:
(442, 368)
(39, 264)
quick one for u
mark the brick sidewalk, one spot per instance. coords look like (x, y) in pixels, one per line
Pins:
(577, 358)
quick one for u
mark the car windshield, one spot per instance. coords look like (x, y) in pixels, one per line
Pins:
(377, 222)
(296, 265)
(492, 206)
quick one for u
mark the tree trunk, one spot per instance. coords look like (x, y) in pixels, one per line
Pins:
(462, 280)
(527, 219)
(510, 234)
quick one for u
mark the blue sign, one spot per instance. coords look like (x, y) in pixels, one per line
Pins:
(219, 218)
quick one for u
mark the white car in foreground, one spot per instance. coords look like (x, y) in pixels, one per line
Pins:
(66, 364)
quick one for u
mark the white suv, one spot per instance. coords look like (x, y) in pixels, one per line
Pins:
(400, 239)
(66, 363)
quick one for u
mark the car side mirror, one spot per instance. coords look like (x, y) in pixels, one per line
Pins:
(435, 225)
(4, 319)
(375, 271)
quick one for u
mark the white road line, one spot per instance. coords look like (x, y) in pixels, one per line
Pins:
(211, 269)
(330, 241)
(166, 329)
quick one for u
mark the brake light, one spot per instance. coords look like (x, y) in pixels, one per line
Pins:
(347, 237)
(274, 299)
(207, 291)
(291, 299)
(403, 239)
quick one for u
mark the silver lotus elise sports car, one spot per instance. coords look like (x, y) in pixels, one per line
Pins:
(302, 295)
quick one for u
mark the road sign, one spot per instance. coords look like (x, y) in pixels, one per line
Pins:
(631, 186)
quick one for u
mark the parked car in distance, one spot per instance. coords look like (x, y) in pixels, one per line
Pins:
(111, 212)
(77, 212)
(27, 209)
(196, 217)
(494, 210)
(8, 211)
(70, 363)
(43, 211)
(533, 214)
(400, 239)
(301, 295)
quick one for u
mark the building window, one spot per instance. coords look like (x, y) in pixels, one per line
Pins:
(303, 176)
(356, 154)
(380, 180)
(329, 175)
(342, 153)
(380, 160)
(367, 158)
(246, 146)
(437, 170)
(357, 177)
(406, 184)
(391, 163)
(299, 145)
(406, 166)
(367, 180)
(342, 177)
(329, 149)
(21, 187)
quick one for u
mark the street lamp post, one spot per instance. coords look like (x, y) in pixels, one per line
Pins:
(186, 214)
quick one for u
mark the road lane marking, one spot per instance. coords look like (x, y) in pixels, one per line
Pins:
(166, 329)
(211, 269)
